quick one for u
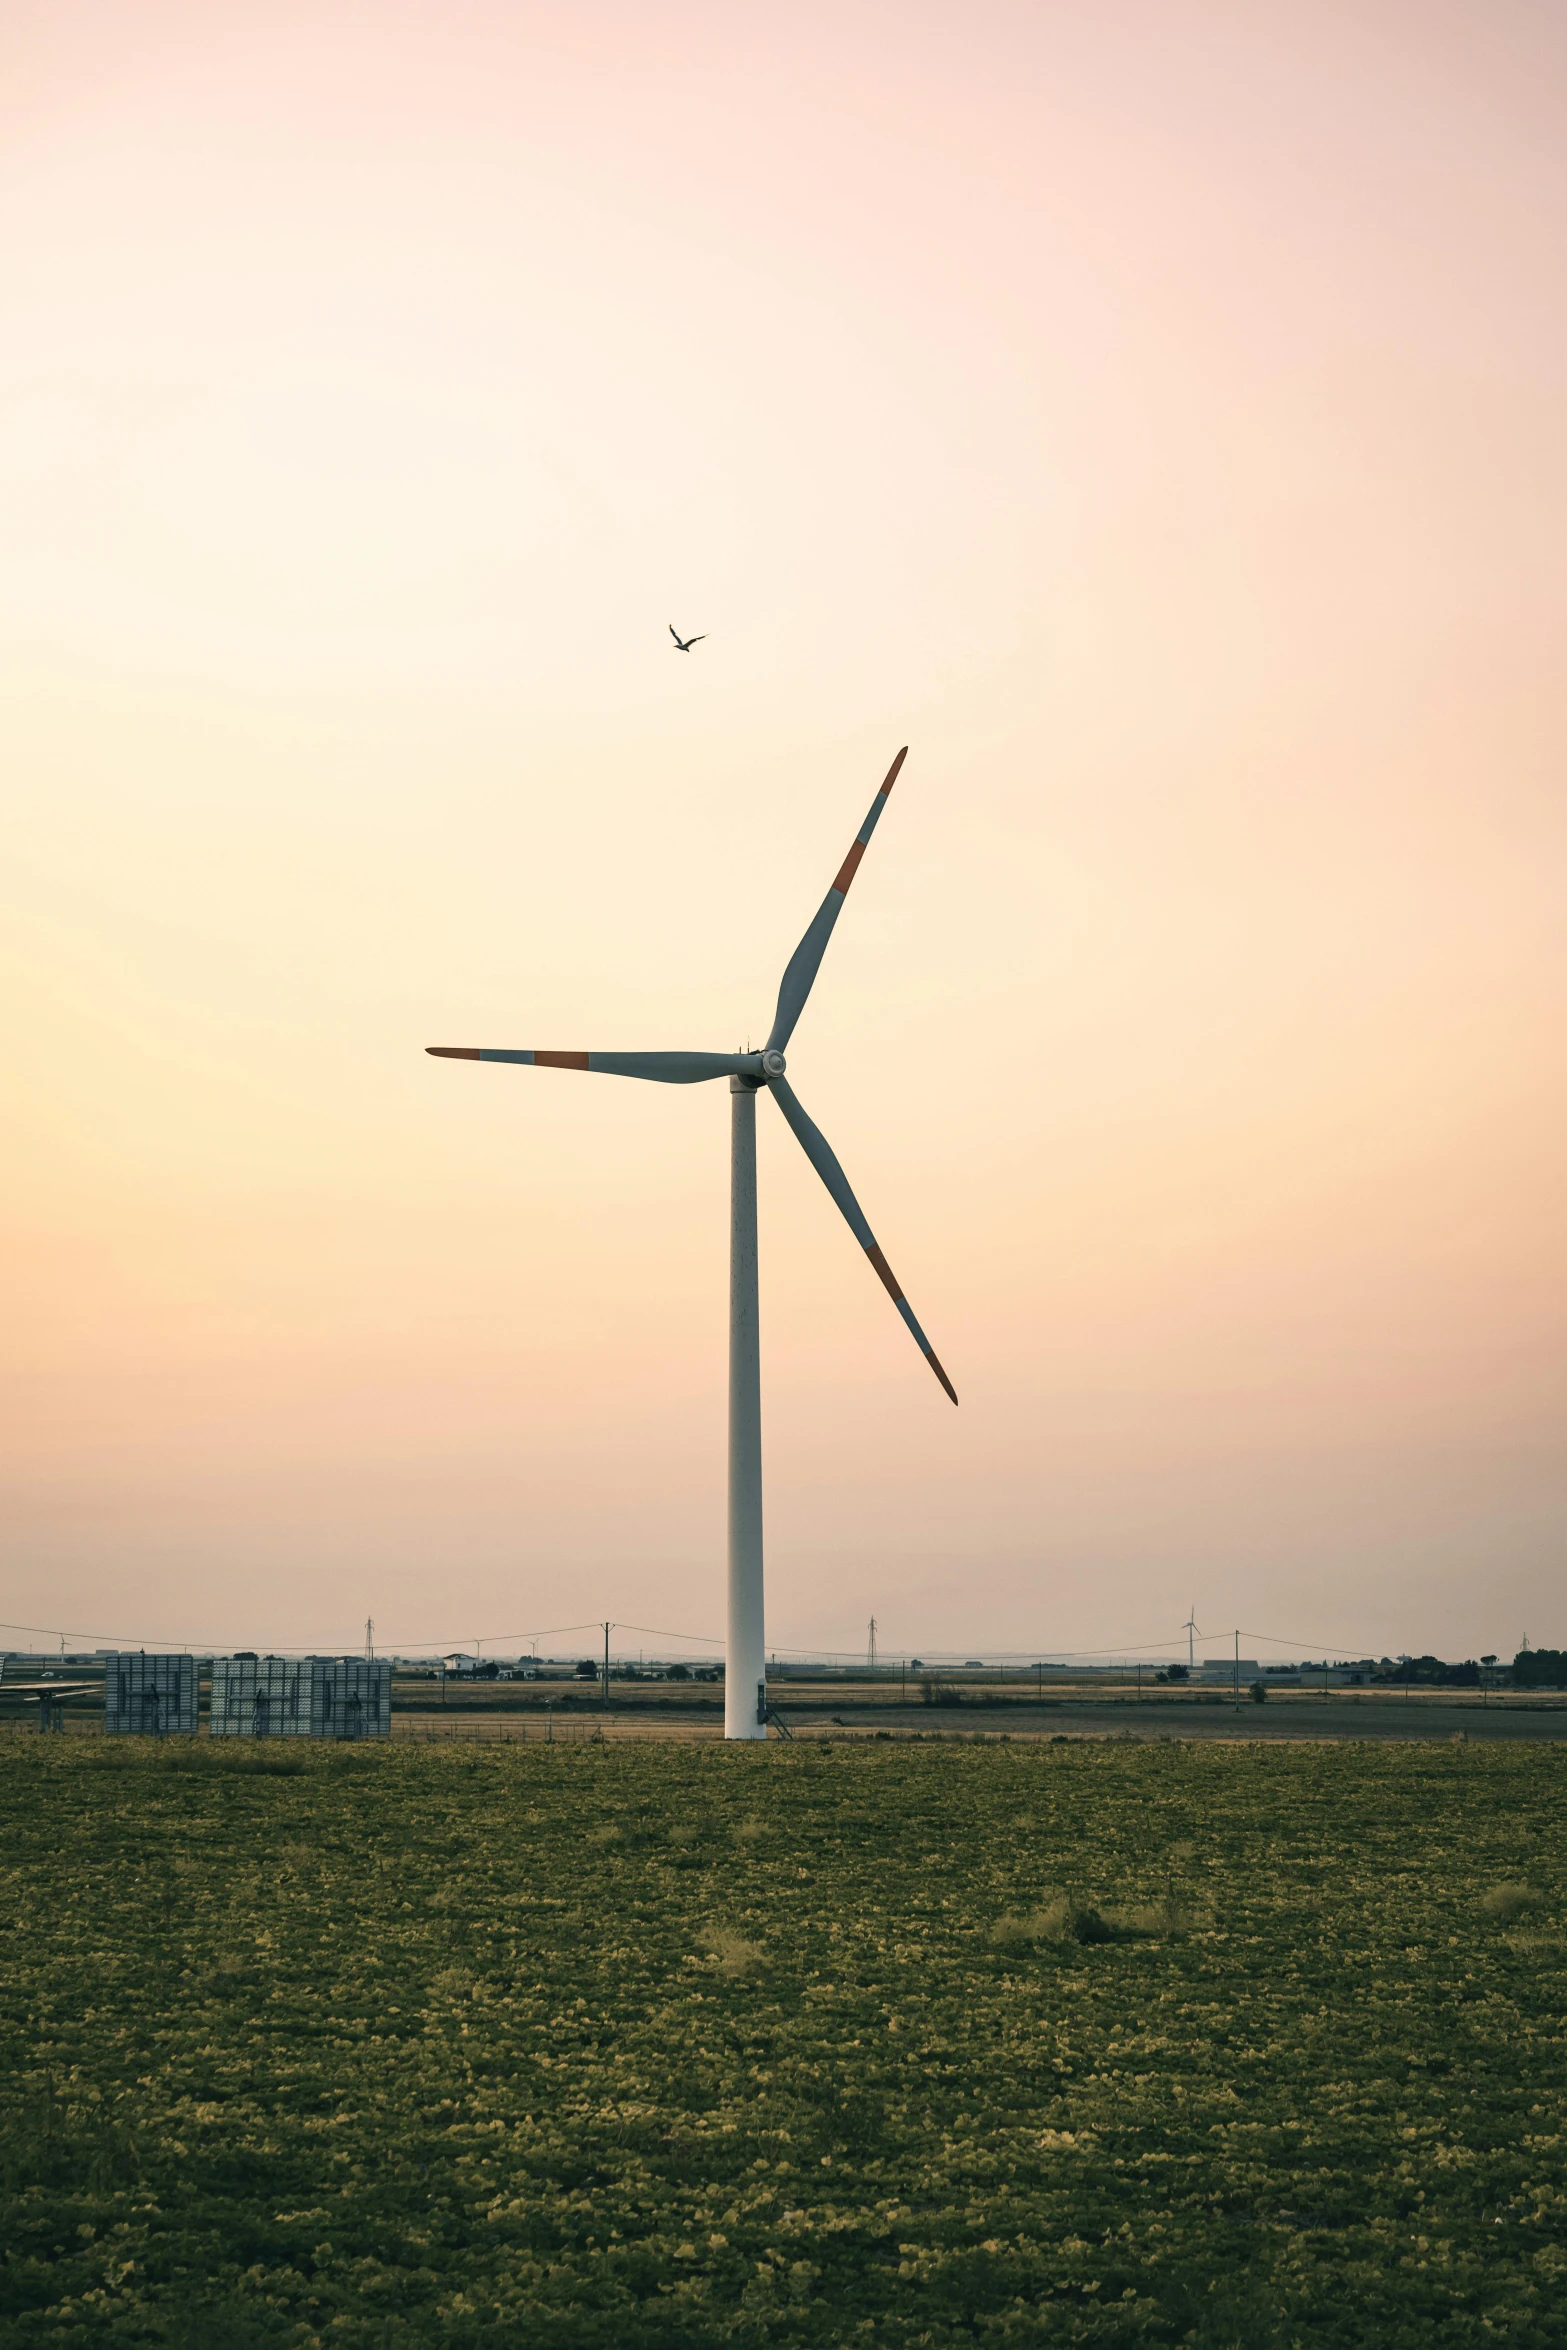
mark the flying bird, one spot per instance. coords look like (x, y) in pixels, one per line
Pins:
(683, 644)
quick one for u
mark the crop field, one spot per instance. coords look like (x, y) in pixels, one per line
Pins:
(1013, 2042)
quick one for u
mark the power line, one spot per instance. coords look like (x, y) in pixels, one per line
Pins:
(120, 1639)
(658, 1632)
(1272, 1640)
(1125, 1648)
(489, 1639)
(142, 1640)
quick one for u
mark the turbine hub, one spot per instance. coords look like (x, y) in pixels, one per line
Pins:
(773, 1064)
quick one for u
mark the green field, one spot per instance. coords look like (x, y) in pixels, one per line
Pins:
(917, 2044)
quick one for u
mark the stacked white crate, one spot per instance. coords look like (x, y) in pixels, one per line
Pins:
(260, 1697)
(350, 1697)
(149, 1696)
(301, 1697)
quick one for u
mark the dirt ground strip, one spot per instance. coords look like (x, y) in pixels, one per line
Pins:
(1350, 1718)
(508, 1716)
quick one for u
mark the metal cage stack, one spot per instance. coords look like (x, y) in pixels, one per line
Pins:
(259, 1697)
(149, 1696)
(301, 1697)
(350, 1697)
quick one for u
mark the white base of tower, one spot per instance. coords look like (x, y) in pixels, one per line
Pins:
(745, 1654)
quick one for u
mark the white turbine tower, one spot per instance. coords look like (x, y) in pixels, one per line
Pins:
(1190, 1626)
(745, 1672)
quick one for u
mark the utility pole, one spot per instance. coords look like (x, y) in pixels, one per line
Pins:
(606, 1668)
(870, 1653)
(1237, 1672)
(370, 1639)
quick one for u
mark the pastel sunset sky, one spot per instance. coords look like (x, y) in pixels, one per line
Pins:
(1153, 415)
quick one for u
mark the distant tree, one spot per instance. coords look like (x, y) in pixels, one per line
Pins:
(680, 1672)
(1259, 1693)
(587, 1670)
(1540, 1668)
(1429, 1669)
(1176, 1673)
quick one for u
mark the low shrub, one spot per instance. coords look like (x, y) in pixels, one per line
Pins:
(1059, 1920)
(1164, 1919)
(735, 1954)
(1505, 1901)
(1063, 1920)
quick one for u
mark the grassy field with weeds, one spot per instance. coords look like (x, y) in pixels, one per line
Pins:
(916, 2044)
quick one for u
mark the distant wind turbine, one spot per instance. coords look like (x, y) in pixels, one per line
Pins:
(745, 1676)
(683, 644)
(1190, 1627)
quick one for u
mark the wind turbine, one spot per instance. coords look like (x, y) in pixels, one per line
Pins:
(1190, 1626)
(745, 1671)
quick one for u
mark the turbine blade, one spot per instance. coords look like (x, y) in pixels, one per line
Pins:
(806, 960)
(661, 1068)
(819, 1151)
